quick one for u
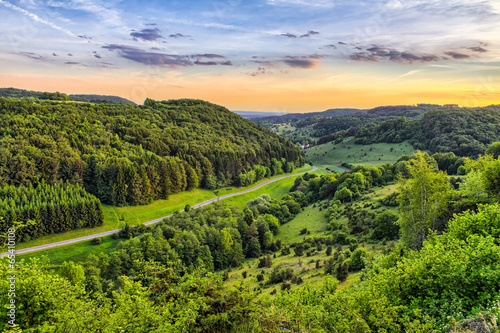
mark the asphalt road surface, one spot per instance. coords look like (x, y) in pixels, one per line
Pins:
(106, 233)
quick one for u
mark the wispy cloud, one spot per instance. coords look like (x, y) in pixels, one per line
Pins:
(36, 18)
(308, 3)
(413, 72)
(178, 35)
(110, 16)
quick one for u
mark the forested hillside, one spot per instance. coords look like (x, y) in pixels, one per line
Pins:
(126, 154)
(465, 132)
(330, 125)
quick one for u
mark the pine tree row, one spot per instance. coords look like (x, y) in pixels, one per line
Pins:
(54, 209)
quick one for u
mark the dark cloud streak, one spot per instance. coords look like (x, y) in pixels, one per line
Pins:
(179, 35)
(163, 59)
(149, 35)
(456, 55)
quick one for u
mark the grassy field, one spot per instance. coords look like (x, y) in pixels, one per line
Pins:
(311, 218)
(74, 252)
(331, 155)
(117, 217)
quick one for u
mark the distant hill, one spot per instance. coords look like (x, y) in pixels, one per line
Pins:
(294, 117)
(22, 93)
(100, 99)
(257, 114)
(19, 93)
(463, 131)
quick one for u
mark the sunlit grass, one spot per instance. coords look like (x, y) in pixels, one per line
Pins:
(331, 155)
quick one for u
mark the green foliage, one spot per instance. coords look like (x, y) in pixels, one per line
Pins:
(74, 273)
(493, 149)
(422, 198)
(125, 154)
(299, 250)
(463, 131)
(357, 259)
(158, 299)
(386, 226)
(56, 96)
(53, 209)
(97, 240)
(344, 194)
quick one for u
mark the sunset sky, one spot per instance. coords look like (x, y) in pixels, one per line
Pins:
(257, 55)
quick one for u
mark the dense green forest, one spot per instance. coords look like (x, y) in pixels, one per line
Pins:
(443, 276)
(53, 209)
(122, 154)
(128, 154)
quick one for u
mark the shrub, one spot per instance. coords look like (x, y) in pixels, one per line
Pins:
(97, 241)
(299, 250)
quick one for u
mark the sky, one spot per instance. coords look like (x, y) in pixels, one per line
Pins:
(257, 55)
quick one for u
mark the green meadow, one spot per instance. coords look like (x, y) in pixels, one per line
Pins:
(331, 155)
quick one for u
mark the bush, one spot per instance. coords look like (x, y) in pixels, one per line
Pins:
(358, 259)
(299, 250)
(97, 241)
(260, 277)
(286, 285)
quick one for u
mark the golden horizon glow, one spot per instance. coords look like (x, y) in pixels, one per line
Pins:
(301, 60)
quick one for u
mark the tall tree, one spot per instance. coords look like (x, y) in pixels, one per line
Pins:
(422, 198)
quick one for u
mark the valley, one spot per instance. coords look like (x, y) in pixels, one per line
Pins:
(256, 229)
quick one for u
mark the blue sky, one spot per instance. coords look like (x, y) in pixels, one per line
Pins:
(279, 55)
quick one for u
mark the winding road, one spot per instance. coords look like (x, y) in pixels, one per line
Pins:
(106, 233)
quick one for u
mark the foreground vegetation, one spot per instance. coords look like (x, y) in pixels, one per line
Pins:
(442, 277)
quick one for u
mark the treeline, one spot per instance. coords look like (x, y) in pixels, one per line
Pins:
(19, 93)
(53, 209)
(297, 117)
(118, 181)
(258, 172)
(127, 154)
(55, 96)
(327, 129)
(99, 99)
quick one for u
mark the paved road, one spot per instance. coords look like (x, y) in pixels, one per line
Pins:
(102, 234)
